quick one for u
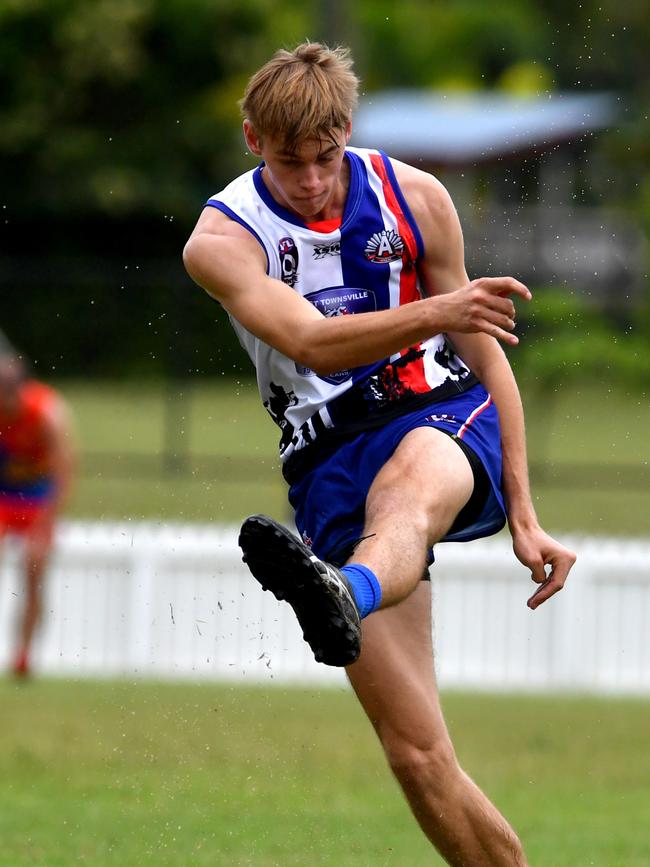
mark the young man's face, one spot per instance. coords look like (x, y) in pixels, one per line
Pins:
(307, 180)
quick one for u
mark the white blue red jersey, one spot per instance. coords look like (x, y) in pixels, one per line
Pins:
(367, 263)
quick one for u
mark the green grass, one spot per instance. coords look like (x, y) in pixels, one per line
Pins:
(107, 773)
(232, 449)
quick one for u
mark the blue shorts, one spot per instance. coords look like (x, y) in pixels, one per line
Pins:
(330, 499)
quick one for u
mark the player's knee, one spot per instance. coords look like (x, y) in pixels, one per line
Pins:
(390, 501)
(432, 765)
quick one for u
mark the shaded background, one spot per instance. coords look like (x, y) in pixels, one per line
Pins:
(118, 119)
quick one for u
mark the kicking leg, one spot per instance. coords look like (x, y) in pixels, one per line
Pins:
(394, 680)
(411, 504)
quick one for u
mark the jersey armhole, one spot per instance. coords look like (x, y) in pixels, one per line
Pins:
(215, 203)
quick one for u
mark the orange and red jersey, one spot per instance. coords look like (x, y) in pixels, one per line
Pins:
(25, 471)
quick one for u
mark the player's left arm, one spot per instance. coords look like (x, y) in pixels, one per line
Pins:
(442, 270)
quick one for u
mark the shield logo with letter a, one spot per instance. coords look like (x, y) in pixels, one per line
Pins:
(384, 246)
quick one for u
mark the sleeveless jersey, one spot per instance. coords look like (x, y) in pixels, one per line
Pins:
(369, 263)
(24, 450)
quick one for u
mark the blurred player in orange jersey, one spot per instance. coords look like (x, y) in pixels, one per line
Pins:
(36, 469)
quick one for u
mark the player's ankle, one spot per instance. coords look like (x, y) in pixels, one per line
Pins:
(365, 587)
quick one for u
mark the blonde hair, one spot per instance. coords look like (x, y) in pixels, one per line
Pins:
(302, 94)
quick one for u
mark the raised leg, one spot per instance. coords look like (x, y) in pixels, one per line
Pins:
(411, 504)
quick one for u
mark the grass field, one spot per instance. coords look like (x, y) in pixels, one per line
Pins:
(232, 446)
(124, 773)
(107, 773)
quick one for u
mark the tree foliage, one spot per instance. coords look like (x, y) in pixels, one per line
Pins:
(119, 117)
(125, 106)
(565, 339)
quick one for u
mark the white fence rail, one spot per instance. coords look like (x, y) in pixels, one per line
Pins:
(175, 601)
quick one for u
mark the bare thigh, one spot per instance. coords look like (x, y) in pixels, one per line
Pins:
(427, 474)
(412, 503)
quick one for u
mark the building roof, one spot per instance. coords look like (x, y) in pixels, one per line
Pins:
(477, 127)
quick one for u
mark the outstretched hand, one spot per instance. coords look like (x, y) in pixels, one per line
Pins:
(537, 550)
(484, 305)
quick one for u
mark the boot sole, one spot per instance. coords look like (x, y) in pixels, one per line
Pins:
(286, 567)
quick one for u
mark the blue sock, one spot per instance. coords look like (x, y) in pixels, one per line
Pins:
(365, 587)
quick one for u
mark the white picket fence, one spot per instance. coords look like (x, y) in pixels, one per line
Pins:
(175, 601)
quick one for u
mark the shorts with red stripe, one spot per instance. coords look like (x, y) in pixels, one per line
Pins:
(329, 500)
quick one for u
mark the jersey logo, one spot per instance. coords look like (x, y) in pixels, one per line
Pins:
(288, 261)
(444, 417)
(322, 250)
(387, 384)
(447, 358)
(278, 403)
(384, 246)
(339, 301)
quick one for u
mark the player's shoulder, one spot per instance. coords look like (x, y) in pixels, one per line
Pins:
(425, 194)
(427, 197)
(215, 221)
(405, 173)
(418, 182)
(38, 396)
(238, 188)
(43, 405)
(228, 211)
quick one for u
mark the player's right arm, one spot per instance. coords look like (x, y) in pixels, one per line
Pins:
(230, 265)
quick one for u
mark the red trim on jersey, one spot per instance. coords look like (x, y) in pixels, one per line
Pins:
(408, 287)
(473, 416)
(412, 376)
(325, 226)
